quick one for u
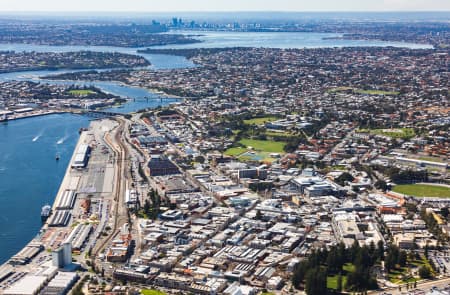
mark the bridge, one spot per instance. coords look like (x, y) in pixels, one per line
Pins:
(101, 114)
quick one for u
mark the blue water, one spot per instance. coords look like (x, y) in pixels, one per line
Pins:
(214, 39)
(30, 175)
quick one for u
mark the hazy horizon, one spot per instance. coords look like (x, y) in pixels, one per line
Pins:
(30, 6)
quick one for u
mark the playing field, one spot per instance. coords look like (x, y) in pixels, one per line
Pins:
(423, 190)
(264, 145)
(260, 150)
(260, 121)
(81, 92)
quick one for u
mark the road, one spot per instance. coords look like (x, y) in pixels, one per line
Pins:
(426, 286)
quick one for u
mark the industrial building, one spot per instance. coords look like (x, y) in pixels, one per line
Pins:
(28, 285)
(131, 197)
(81, 157)
(27, 253)
(62, 256)
(67, 200)
(160, 166)
(78, 236)
(60, 218)
(61, 283)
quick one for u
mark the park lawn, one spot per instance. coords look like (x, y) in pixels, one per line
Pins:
(274, 133)
(348, 267)
(332, 282)
(362, 91)
(235, 151)
(339, 167)
(81, 92)
(396, 276)
(260, 121)
(376, 92)
(423, 190)
(264, 145)
(151, 292)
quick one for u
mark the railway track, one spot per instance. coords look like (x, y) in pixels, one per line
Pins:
(120, 153)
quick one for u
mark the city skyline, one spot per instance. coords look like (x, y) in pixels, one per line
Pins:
(223, 6)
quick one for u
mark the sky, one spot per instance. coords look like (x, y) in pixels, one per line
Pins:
(222, 5)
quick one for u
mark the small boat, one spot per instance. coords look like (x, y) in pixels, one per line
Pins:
(4, 118)
(57, 157)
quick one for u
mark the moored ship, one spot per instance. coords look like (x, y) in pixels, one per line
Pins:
(45, 212)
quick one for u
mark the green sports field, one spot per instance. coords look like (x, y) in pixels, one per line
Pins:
(423, 190)
(82, 92)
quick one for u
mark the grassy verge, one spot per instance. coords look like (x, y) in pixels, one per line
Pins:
(152, 292)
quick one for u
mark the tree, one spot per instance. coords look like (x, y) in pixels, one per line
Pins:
(200, 159)
(339, 282)
(445, 212)
(424, 272)
(299, 273)
(381, 185)
(146, 207)
(258, 215)
(343, 178)
(402, 258)
(316, 281)
(380, 250)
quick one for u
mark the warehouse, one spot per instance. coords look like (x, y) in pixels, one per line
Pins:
(79, 235)
(130, 197)
(61, 283)
(161, 166)
(28, 285)
(81, 158)
(66, 201)
(60, 218)
(27, 253)
(5, 271)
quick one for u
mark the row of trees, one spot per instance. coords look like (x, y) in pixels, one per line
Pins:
(398, 175)
(433, 225)
(311, 273)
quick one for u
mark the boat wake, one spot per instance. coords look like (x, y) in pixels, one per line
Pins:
(62, 140)
(36, 138)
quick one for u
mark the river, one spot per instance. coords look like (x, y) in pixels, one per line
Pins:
(29, 174)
